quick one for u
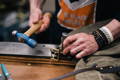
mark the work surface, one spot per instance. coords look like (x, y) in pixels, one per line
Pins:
(27, 71)
(25, 63)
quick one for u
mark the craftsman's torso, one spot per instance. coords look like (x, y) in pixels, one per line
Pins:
(76, 13)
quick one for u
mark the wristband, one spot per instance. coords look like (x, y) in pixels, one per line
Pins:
(107, 33)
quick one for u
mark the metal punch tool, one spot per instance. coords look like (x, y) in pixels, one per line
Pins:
(5, 74)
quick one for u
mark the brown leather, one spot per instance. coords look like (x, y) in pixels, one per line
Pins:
(27, 71)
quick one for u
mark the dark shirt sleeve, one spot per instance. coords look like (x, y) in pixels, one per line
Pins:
(107, 9)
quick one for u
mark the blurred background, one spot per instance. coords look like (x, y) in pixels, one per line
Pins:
(14, 15)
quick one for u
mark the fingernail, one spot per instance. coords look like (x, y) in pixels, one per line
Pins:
(64, 52)
(78, 57)
(72, 51)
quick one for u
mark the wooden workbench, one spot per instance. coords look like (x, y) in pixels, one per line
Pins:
(28, 71)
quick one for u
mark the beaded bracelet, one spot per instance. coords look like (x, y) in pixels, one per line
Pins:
(103, 37)
(100, 38)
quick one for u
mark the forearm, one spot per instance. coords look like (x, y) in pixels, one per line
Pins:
(114, 27)
(34, 4)
(107, 34)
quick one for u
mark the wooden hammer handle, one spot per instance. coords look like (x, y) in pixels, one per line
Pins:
(36, 27)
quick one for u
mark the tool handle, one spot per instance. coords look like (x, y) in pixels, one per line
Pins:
(36, 27)
(5, 71)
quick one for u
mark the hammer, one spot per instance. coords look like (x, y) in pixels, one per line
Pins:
(26, 36)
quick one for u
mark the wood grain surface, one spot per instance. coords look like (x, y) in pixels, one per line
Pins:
(33, 71)
(25, 63)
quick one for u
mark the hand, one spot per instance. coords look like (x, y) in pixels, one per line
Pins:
(80, 45)
(36, 16)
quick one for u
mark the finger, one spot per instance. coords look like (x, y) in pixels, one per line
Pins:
(81, 54)
(43, 27)
(78, 41)
(46, 20)
(69, 40)
(45, 24)
(30, 23)
(40, 16)
(67, 49)
(78, 49)
(36, 19)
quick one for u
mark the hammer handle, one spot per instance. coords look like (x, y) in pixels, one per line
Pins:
(36, 27)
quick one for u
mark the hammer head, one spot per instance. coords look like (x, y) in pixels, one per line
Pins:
(32, 43)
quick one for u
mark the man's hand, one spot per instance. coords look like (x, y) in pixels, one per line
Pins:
(36, 16)
(80, 45)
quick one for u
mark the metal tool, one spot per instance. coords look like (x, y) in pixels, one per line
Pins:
(64, 35)
(32, 43)
(5, 74)
(2, 77)
(59, 50)
(26, 36)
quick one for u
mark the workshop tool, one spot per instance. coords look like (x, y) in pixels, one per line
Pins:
(5, 74)
(32, 43)
(2, 77)
(26, 36)
(64, 35)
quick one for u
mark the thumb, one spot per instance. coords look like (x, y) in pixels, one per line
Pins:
(36, 19)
